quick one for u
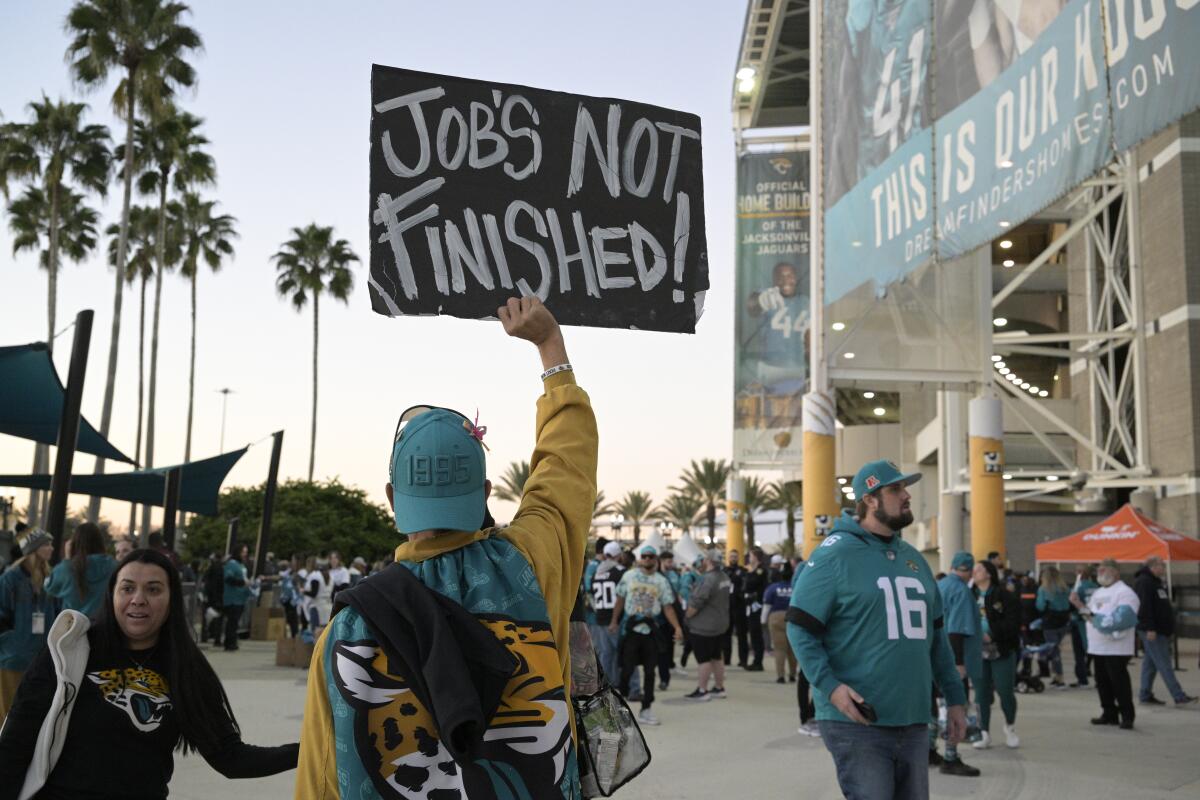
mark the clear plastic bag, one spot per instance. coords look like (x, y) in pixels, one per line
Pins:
(613, 750)
(585, 670)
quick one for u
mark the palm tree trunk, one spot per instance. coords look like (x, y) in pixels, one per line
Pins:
(312, 448)
(41, 454)
(161, 247)
(137, 448)
(712, 523)
(791, 528)
(749, 530)
(122, 243)
(187, 445)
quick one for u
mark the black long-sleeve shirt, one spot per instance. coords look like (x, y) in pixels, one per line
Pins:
(121, 737)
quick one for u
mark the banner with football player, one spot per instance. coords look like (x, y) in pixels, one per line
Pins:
(1032, 98)
(771, 307)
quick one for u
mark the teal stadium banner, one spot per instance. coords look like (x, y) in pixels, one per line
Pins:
(1032, 97)
(772, 307)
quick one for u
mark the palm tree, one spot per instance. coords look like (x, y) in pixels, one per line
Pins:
(310, 263)
(67, 222)
(706, 480)
(139, 266)
(634, 507)
(43, 151)
(785, 496)
(681, 510)
(756, 497)
(512, 483)
(207, 239)
(147, 43)
(168, 150)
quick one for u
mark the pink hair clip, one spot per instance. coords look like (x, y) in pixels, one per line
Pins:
(476, 430)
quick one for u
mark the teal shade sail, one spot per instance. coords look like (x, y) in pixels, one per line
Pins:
(199, 485)
(31, 402)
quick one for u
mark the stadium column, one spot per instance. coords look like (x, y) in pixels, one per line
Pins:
(735, 516)
(985, 425)
(818, 493)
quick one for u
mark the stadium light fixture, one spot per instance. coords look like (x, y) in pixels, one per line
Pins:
(1000, 322)
(1004, 371)
(1005, 223)
(746, 86)
(868, 395)
(745, 73)
(848, 355)
(1005, 244)
(839, 326)
(997, 358)
(1043, 393)
(1008, 476)
(880, 411)
(1025, 385)
(1000, 365)
(1008, 263)
(1052, 478)
(842, 481)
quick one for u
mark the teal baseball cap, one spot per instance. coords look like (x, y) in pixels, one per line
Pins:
(962, 560)
(438, 474)
(647, 550)
(877, 474)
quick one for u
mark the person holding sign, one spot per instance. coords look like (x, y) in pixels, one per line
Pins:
(867, 626)
(447, 674)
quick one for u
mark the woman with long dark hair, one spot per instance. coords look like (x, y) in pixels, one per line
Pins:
(139, 690)
(1000, 615)
(79, 580)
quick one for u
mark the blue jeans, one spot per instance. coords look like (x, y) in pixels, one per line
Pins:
(606, 650)
(1158, 661)
(878, 763)
(1054, 636)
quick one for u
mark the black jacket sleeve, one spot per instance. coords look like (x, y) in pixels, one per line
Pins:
(236, 759)
(19, 737)
(1148, 598)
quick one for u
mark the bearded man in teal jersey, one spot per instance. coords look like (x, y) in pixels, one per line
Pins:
(867, 626)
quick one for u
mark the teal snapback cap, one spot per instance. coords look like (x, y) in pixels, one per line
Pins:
(438, 474)
(877, 474)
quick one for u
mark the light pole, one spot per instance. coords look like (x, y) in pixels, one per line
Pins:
(224, 403)
(617, 521)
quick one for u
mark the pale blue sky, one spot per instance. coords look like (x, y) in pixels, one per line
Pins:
(284, 91)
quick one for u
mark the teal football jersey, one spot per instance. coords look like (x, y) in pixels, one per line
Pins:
(881, 614)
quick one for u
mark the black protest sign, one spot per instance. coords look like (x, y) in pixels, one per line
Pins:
(482, 191)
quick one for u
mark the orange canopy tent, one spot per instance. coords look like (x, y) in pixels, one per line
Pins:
(1126, 536)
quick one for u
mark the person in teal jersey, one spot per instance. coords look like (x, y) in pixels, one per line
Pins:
(1085, 584)
(236, 592)
(688, 579)
(1053, 602)
(867, 626)
(966, 640)
(79, 580)
(666, 643)
(589, 572)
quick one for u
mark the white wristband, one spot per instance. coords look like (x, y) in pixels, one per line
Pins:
(556, 370)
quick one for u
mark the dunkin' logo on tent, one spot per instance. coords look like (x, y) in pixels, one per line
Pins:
(1110, 532)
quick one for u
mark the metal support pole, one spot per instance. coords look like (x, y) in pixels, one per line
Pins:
(171, 505)
(264, 531)
(68, 430)
(231, 538)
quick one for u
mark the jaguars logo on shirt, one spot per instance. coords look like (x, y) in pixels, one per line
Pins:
(141, 693)
(396, 736)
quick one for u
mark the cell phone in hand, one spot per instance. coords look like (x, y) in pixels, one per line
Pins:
(866, 709)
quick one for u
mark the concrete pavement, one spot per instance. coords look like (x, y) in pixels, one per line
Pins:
(747, 746)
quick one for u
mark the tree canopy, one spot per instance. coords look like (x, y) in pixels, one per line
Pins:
(309, 518)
